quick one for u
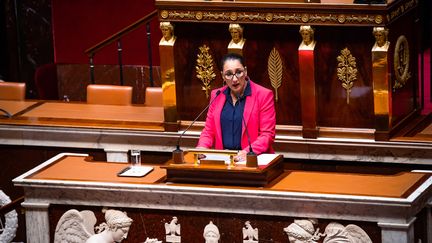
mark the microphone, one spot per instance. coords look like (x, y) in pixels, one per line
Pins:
(7, 114)
(251, 157)
(178, 153)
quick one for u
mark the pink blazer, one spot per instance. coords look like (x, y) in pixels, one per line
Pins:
(260, 117)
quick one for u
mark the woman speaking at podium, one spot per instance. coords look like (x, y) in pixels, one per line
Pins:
(241, 112)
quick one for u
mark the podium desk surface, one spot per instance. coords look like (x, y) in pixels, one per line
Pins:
(16, 106)
(80, 168)
(93, 115)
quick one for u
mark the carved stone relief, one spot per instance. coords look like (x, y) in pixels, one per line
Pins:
(77, 226)
(172, 231)
(9, 227)
(303, 230)
(250, 234)
(211, 233)
(152, 240)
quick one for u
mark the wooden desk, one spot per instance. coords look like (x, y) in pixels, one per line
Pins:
(92, 115)
(14, 107)
(71, 119)
(385, 207)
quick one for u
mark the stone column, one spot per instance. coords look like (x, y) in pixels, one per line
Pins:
(37, 222)
(397, 232)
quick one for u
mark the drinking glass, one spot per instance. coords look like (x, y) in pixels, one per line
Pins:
(135, 157)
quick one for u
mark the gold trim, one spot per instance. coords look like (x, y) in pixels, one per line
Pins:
(199, 16)
(347, 70)
(401, 9)
(204, 68)
(275, 70)
(401, 62)
(164, 14)
(341, 18)
(266, 17)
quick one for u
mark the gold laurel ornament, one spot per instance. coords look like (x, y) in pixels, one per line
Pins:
(204, 68)
(275, 70)
(347, 70)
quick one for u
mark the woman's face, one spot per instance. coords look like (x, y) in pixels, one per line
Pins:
(234, 74)
(120, 234)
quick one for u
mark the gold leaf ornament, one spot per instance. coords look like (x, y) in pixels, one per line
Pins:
(275, 70)
(347, 71)
(204, 68)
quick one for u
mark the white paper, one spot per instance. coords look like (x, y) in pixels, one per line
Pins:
(263, 159)
(136, 171)
(223, 157)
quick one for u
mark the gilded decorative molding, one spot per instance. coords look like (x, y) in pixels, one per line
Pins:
(275, 68)
(401, 9)
(204, 68)
(401, 62)
(347, 70)
(263, 17)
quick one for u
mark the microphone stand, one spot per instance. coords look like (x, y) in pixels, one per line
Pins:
(251, 156)
(177, 154)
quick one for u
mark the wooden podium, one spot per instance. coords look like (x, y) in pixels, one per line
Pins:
(223, 174)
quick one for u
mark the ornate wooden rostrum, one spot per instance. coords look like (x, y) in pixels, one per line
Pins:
(338, 88)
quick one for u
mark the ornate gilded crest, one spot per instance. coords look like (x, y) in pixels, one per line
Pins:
(275, 68)
(347, 71)
(204, 68)
(401, 62)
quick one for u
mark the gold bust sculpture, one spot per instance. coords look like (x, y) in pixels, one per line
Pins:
(237, 40)
(380, 34)
(168, 37)
(307, 34)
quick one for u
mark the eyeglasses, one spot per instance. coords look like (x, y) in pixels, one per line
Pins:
(238, 73)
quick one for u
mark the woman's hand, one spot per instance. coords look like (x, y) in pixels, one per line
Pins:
(201, 156)
(241, 156)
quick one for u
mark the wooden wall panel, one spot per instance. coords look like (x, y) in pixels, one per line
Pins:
(333, 110)
(260, 40)
(404, 100)
(276, 25)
